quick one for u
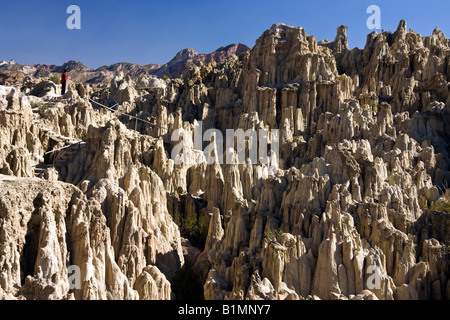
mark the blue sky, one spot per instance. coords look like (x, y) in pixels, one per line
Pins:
(143, 32)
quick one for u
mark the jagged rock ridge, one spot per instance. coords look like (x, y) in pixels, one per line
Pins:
(11, 72)
(361, 187)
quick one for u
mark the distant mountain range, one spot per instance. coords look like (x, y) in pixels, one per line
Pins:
(181, 62)
(12, 72)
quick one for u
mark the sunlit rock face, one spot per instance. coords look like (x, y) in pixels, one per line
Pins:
(354, 203)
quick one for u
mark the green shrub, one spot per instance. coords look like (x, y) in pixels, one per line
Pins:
(55, 79)
(441, 207)
(376, 107)
(186, 285)
(43, 111)
(446, 251)
(242, 55)
(196, 230)
(274, 234)
(193, 228)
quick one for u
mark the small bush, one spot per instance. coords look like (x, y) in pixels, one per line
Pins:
(243, 54)
(165, 77)
(274, 234)
(55, 79)
(43, 111)
(186, 285)
(441, 207)
(194, 229)
(446, 251)
(376, 107)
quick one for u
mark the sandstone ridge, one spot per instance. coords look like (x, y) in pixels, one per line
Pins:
(356, 207)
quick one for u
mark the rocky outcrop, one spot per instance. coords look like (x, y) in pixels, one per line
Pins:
(186, 58)
(348, 149)
(48, 227)
(13, 73)
(353, 207)
(119, 232)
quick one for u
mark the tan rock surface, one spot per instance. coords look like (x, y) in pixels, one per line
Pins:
(356, 208)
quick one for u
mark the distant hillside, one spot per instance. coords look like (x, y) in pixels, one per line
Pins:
(180, 64)
(10, 71)
(135, 71)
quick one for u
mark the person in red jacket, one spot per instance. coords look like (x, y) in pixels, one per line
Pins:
(63, 82)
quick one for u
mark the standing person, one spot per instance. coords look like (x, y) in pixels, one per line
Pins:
(64, 82)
